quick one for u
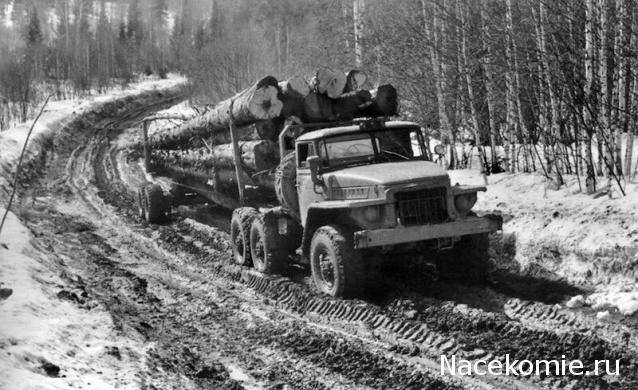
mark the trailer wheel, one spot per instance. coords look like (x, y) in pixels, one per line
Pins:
(337, 268)
(468, 261)
(267, 251)
(156, 205)
(240, 224)
(286, 183)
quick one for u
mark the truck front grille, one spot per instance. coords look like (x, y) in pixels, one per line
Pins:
(420, 207)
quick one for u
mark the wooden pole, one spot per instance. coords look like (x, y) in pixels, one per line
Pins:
(19, 166)
(236, 153)
(147, 154)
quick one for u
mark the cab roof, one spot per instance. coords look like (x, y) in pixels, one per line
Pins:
(361, 126)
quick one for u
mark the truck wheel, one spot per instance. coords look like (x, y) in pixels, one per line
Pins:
(337, 268)
(156, 205)
(286, 183)
(267, 252)
(240, 224)
(468, 261)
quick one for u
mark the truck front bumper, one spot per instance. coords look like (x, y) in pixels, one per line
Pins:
(407, 234)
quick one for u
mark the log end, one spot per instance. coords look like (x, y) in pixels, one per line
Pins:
(265, 103)
(296, 85)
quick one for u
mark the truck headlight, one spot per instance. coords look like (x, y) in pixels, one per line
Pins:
(368, 215)
(371, 213)
(464, 203)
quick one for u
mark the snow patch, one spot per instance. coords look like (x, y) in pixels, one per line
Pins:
(626, 302)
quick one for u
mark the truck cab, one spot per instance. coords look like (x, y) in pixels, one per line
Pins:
(360, 187)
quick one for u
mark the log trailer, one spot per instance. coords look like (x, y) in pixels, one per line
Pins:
(338, 191)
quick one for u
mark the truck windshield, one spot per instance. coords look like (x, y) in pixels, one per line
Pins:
(373, 147)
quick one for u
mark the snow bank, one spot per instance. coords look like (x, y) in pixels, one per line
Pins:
(563, 217)
(40, 333)
(587, 240)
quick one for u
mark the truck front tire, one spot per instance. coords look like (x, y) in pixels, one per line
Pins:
(267, 250)
(337, 268)
(240, 224)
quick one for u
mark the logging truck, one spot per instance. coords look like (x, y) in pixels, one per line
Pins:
(337, 192)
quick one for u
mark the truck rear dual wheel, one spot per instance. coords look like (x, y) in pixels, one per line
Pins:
(267, 249)
(153, 205)
(337, 268)
(240, 224)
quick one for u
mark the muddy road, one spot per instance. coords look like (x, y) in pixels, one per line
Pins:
(212, 324)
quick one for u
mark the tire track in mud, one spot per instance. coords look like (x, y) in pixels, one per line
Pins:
(438, 328)
(197, 319)
(442, 327)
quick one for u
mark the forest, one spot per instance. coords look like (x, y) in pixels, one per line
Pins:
(536, 85)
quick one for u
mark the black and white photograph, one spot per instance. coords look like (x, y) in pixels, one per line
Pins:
(318, 194)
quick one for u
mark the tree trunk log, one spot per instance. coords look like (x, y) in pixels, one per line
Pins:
(262, 130)
(317, 108)
(354, 81)
(385, 101)
(257, 103)
(256, 156)
(292, 94)
(351, 105)
(329, 82)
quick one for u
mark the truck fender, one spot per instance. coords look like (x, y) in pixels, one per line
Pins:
(318, 217)
(288, 230)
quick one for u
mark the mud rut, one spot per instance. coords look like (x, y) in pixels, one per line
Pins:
(212, 324)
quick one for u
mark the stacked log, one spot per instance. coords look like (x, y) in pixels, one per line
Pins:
(354, 81)
(256, 156)
(261, 130)
(382, 101)
(292, 93)
(259, 112)
(329, 82)
(215, 165)
(385, 101)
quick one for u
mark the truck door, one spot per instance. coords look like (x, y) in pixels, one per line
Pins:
(305, 188)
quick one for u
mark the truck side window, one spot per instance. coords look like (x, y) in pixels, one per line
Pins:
(414, 141)
(303, 152)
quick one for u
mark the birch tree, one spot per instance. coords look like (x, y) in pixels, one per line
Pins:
(357, 11)
(489, 79)
(590, 93)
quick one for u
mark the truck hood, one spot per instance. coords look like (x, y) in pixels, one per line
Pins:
(387, 174)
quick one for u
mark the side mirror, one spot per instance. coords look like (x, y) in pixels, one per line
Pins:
(313, 163)
(439, 149)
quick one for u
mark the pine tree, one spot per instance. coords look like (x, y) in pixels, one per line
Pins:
(134, 24)
(216, 21)
(200, 37)
(33, 33)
